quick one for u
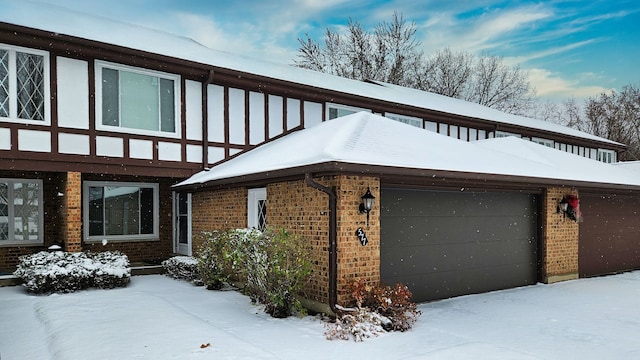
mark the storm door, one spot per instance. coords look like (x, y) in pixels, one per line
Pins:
(182, 223)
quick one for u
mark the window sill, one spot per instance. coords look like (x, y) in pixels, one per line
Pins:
(17, 244)
(127, 240)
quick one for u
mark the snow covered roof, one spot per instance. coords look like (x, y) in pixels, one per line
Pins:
(64, 21)
(375, 141)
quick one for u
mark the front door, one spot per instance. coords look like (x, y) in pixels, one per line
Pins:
(182, 223)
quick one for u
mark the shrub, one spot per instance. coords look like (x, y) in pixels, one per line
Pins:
(276, 272)
(378, 309)
(183, 268)
(392, 302)
(273, 264)
(221, 256)
(47, 272)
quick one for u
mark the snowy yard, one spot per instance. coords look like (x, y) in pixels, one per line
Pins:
(156, 317)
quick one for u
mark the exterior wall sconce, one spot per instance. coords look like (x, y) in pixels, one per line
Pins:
(569, 206)
(367, 204)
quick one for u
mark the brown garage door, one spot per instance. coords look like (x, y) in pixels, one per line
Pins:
(443, 244)
(609, 234)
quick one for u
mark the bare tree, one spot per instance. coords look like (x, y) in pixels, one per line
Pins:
(391, 54)
(614, 116)
(383, 55)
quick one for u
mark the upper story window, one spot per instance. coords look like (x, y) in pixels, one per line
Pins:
(501, 134)
(337, 110)
(136, 100)
(542, 141)
(607, 156)
(21, 215)
(410, 120)
(120, 211)
(24, 85)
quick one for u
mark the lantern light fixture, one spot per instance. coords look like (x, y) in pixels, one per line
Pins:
(367, 204)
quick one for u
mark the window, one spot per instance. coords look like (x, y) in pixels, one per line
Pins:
(21, 219)
(542, 141)
(607, 156)
(336, 110)
(120, 211)
(257, 208)
(144, 101)
(24, 85)
(413, 121)
(501, 134)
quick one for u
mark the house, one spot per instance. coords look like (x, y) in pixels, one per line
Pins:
(119, 137)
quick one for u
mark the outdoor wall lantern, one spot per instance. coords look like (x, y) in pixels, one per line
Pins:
(563, 206)
(570, 206)
(367, 204)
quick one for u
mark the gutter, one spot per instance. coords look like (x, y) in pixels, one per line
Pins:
(333, 235)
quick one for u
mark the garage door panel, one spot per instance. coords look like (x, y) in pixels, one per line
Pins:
(465, 281)
(440, 229)
(609, 234)
(449, 257)
(444, 244)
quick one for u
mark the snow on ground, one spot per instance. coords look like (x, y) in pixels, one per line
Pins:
(157, 317)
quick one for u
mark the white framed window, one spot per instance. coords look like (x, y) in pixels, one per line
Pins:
(257, 208)
(337, 110)
(410, 120)
(501, 134)
(24, 85)
(21, 214)
(117, 211)
(607, 156)
(542, 141)
(135, 100)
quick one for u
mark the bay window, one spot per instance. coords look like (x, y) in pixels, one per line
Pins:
(24, 85)
(120, 211)
(21, 220)
(137, 100)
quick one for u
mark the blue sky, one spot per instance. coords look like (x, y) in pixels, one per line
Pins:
(571, 48)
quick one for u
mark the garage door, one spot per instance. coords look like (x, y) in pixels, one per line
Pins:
(609, 234)
(443, 244)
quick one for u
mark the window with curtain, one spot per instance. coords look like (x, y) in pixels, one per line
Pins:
(21, 220)
(23, 84)
(137, 99)
(120, 211)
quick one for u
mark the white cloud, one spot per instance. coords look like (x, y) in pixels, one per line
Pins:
(553, 85)
(487, 31)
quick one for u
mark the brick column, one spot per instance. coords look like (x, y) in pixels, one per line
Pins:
(357, 261)
(71, 212)
(559, 240)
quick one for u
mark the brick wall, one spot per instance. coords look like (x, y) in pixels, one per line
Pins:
(217, 210)
(356, 261)
(71, 212)
(304, 211)
(559, 239)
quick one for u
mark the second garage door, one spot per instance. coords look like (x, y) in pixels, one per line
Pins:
(609, 234)
(443, 244)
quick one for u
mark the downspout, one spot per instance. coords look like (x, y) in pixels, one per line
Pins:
(333, 235)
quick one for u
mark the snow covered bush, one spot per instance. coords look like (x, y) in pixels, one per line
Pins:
(62, 272)
(221, 256)
(272, 264)
(378, 309)
(183, 268)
